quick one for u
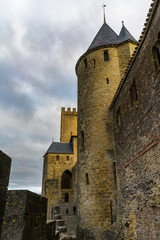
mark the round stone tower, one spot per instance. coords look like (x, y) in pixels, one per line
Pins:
(99, 71)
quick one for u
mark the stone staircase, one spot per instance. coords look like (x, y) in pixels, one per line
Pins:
(61, 228)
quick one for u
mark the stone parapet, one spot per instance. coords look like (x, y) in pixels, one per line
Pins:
(25, 216)
(5, 164)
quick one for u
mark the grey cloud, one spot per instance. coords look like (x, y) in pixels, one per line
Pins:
(11, 95)
(31, 175)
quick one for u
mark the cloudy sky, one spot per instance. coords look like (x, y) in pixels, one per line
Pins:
(40, 42)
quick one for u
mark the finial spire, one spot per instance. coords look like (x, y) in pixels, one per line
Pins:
(104, 12)
(122, 23)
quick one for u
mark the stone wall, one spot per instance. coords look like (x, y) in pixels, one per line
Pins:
(125, 51)
(5, 164)
(25, 217)
(71, 223)
(136, 111)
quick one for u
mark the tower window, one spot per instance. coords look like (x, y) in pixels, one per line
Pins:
(107, 80)
(82, 139)
(87, 179)
(66, 197)
(94, 63)
(156, 53)
(106, 56)
(118, 117)
(57, 157)
(133, 93)
(111, 209)
(85, 63)
(67, 158)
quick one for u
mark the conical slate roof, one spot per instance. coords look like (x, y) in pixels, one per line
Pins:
(105, 36)
(125, 35)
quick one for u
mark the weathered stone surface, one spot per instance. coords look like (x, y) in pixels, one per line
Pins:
(66, 237)
(97, 84)
(62, 229)
(50, 230)
(71, 223)
(3, 194)
(60, 222)
(85, 233)
(25, 216)
(137, 139)
(5, 164)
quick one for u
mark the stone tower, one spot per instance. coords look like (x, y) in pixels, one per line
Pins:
(68, 124)
(99, 72)
(59, 170)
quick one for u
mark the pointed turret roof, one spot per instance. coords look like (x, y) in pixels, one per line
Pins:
(125, 35)
(105, 36)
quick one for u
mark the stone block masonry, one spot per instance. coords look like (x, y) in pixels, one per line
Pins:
(5, 164)
(136, 114)
(25, 217)
(97, 192)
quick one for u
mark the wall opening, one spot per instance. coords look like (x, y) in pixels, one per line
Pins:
(156, 53)
(66, 180)
(107, 80)
(67, 158)
(87, 179)
(106, 56)
(85, 63)
(133, 93)
(94, 63)
(66, 197)
(82, 139)
(57, 157)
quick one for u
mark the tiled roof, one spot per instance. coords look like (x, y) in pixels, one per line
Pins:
(105, 36)
(58, 147)
(125, 35)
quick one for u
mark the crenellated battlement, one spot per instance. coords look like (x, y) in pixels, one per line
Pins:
(68, 124)
(69, 111)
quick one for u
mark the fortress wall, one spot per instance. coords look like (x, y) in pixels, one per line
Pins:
(5, 164)
(25, 217)
(137, 143)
